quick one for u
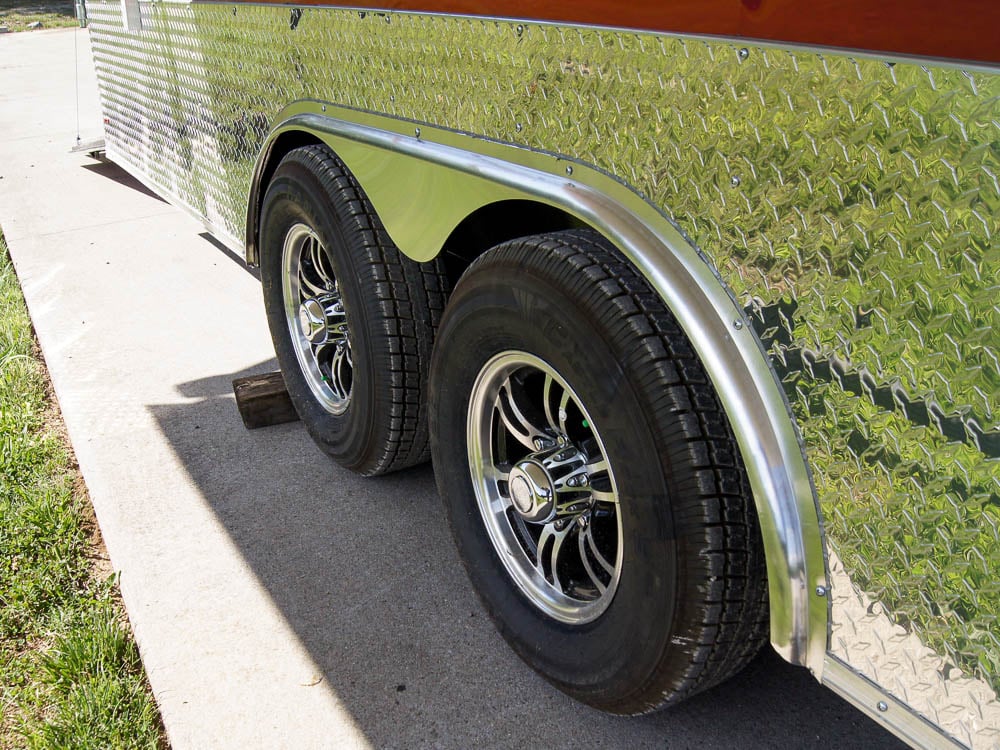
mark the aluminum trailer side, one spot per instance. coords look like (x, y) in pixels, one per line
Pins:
(819, 222)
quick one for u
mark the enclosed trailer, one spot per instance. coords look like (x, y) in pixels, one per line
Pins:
(695, 305)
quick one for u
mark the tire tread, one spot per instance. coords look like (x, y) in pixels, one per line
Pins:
(735, 614)
(410, 298)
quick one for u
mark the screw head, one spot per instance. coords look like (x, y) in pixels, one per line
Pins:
(569, 170)
(416, 132)
(582, 521)
(821, 591)
(883, 706)
(743, 54)
(735, 180)
(738, 324)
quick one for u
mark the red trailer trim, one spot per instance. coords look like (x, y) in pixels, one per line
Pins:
(958, 30)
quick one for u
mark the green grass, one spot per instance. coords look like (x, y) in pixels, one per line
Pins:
(70, 674)
(16, 15)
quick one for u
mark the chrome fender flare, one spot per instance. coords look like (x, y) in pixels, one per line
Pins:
(423, 181)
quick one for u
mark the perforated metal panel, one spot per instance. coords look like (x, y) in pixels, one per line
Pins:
(851, 206)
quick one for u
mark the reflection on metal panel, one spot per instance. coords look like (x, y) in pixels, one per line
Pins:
(852, 207)
(868, 636)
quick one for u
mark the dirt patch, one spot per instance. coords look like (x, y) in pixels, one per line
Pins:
(97, 553)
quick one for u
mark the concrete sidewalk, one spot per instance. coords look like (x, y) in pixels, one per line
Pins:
(278, 601)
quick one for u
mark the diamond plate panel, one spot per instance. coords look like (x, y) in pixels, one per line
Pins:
(850, 204)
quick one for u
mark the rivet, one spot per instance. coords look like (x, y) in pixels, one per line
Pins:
(416, 132)
(518, 127)
(520, 29)
(821, 591)
(323, 107)
(569, 170)
(735, 180)
(738, 324)
(744, 53)
(234, 10)
(883, 706)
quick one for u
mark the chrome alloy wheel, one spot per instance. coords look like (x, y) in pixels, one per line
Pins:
(544, 487)
(316, 319)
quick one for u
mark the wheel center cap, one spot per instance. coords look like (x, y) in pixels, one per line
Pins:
(312, 321)
(532, 492)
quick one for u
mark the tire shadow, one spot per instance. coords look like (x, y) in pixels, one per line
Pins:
(366, 574)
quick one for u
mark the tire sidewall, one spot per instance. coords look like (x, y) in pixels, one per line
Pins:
(295, 195)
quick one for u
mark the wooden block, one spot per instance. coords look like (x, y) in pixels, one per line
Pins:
(263, 400)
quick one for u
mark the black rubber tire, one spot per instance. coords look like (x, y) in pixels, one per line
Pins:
(691, 606)
(393, 306)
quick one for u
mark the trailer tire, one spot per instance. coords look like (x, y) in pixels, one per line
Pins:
(352, 319)
(562, 389)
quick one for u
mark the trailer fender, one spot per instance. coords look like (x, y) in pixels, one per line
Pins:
(425, 181)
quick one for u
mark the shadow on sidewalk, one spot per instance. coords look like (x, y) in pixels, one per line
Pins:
(113, 172)
(366, 574)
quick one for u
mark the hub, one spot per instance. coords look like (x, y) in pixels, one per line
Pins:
(315, 318)
(532, 491)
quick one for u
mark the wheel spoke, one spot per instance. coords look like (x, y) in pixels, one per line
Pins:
(312, 284)
(587, 540)
(497, 472)
(340, 371)
(324, 353)
(597, 466)
(563, 404)
(499, 504)
(585, 558)
(603, 496)
(548, 554)
(547, 401)
(336, 319)
(319, 262)
(515, 421)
